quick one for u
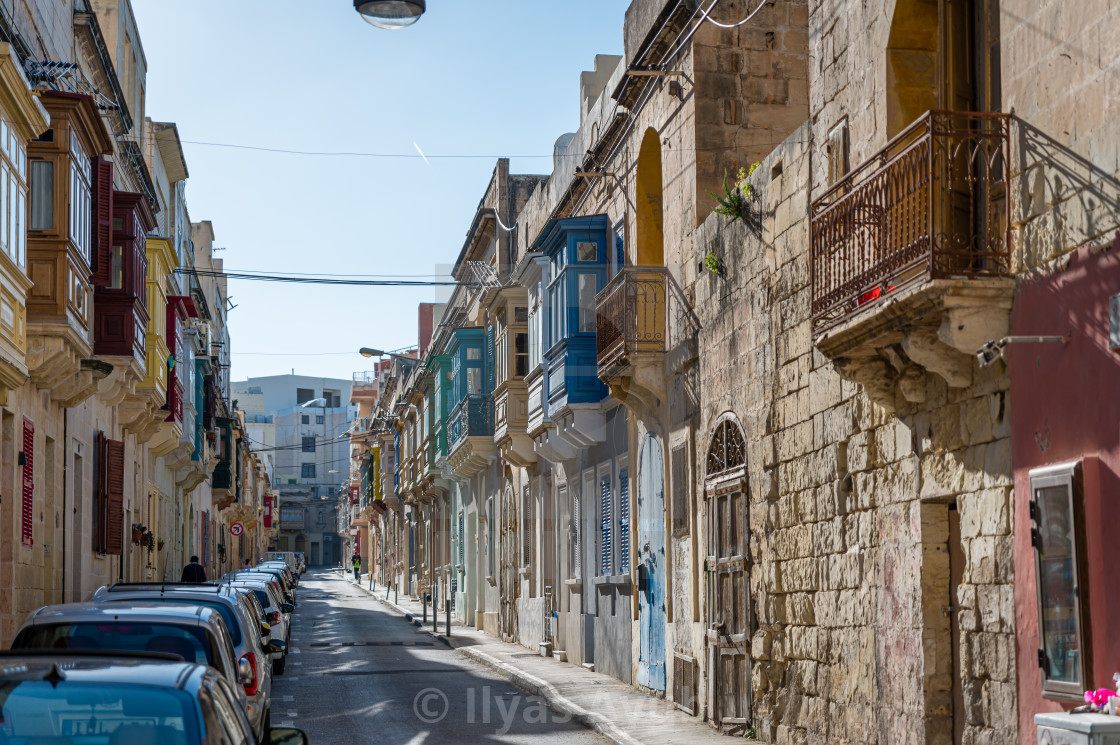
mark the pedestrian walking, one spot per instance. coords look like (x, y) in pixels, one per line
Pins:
(247, 565)
(356, 560)
(193, 572)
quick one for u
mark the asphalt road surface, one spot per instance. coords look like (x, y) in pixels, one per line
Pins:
(359, 673)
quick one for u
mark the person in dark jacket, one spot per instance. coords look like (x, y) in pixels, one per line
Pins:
(193, 572)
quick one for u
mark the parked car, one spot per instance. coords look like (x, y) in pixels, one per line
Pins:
(101, 698)
(277, 612)
(194, 632)
(292, 577)
(288, 589)
(246, 625)
(288, 557)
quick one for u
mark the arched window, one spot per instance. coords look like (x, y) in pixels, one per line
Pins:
(727, 450)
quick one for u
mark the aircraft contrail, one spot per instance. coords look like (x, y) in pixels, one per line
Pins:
(425, 157)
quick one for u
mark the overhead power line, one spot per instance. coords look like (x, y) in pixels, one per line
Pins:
(318, 280)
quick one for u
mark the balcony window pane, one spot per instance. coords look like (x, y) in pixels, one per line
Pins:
(587, 251)
(474, 381)
(587, 290)
(42, 195)
(474, 353)
(116, 268)
(81, 203)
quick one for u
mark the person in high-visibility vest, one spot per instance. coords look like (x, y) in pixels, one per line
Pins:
(357, 562)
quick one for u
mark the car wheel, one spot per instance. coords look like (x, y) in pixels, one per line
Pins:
(278, 665)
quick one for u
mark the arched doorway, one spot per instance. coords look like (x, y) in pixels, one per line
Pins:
(651, 564)
(725, 487)
(648, 202)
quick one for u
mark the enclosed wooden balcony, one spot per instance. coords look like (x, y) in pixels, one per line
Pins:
(470, 436)
(912, 248)
(645, 332)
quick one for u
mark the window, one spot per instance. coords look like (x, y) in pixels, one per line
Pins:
(309, 444)
(474, 353)
(587, 290)
(319, 419)
(13, 194)
(307, 471)
(1055, 536)
(116, 268)
(490, 536)
(303, 395)
(587, 251)
(333, 399)
(521, 354)
(41, 182)
(81, 200)
(838, 151)
(681, 494)
(624, 521)
(474, 381)
(305, 419)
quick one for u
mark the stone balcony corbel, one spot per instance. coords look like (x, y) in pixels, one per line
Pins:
(76, 388)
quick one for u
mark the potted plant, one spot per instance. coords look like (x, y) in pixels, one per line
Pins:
(150, 540)
(137, 533)
(160, 543)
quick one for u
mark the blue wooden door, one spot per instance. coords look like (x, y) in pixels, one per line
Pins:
(651, 564)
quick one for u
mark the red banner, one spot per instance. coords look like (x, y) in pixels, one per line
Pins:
(268, 510)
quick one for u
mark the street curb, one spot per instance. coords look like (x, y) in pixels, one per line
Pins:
(523, 680)
(529, 683)
(551, 697)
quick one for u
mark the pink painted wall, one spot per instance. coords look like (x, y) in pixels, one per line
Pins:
(1065, 406)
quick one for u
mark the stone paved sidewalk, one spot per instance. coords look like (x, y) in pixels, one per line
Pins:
(598, 701)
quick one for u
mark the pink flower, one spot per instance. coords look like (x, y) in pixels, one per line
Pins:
(1099, 697)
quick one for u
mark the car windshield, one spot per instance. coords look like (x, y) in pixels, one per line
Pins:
(64, 713)
(223, 609)
(189, 642)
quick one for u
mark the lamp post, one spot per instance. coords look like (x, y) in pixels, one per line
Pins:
(390, 14)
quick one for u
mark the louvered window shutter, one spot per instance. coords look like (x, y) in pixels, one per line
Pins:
(490, 359)
(114, 513)
(624, 521)
(578, 540)
(605, 521)
(27, 533)
(462, 539)
(102, 221)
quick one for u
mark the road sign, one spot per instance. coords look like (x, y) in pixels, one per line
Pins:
(236, 529)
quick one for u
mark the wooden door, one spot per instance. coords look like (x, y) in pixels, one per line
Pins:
(509, 586)
(729, 631)
(956, 576)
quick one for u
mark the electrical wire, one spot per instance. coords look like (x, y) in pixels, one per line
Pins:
(317, 280)
(709, 19)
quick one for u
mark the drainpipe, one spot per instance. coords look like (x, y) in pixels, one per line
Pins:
(65, 471)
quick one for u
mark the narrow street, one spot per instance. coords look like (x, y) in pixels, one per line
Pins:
(360, 673)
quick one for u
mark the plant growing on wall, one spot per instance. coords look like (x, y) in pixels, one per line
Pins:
(711, 261)
(735, 199)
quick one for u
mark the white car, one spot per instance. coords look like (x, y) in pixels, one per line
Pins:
(277, 611)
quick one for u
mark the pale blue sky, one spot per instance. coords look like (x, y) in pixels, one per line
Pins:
(473, 77)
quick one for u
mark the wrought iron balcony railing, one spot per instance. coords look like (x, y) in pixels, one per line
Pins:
(641, 311)
(471, 417)
(932, 204)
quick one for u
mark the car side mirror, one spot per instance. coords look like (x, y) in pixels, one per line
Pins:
(244, 672)
(266, 629)
(288, 736)
(276, 646)
(287, 608)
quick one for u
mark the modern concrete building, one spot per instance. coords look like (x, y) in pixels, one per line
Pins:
(302, 422)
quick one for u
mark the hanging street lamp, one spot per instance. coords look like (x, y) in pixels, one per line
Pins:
(390, 14)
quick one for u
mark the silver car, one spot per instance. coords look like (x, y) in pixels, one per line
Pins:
(277, 612)
(246, 629)
(194, 632)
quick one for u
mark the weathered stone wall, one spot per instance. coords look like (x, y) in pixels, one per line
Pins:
(850, 505)
(1060, 77)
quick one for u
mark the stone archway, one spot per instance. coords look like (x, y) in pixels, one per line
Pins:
(648, 201)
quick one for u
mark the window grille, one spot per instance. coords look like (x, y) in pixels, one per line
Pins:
(605, 523)
(624, 521)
